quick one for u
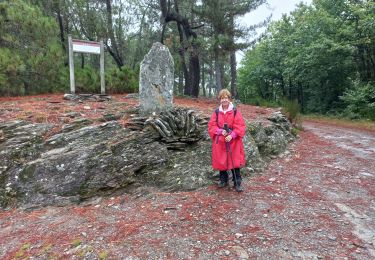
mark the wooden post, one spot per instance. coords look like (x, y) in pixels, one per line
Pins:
(71, 65)
(102, 75)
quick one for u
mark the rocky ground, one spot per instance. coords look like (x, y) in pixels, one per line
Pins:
(315, 201)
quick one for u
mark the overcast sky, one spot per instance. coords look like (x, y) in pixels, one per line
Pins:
(274, 7)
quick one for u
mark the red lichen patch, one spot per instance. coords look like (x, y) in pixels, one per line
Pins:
(251, 229)
(278, 208)
(311, 195)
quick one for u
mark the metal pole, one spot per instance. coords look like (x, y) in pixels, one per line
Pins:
(71, 65)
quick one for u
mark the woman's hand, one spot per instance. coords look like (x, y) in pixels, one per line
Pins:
(224, 133)
(228, 138)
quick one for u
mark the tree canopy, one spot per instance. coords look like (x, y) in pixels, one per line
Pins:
(34, 33)
(322, 55)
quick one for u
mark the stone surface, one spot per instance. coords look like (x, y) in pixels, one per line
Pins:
(92, 97)
(170, 152)
(156, 80)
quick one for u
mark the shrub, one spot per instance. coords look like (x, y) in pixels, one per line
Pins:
(291, 109)
(360, 101)
(87, 80)
(122, 81)
(10, 68)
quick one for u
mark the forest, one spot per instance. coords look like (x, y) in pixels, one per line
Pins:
(320, 56)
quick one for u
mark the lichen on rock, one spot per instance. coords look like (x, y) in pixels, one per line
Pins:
(170, 151)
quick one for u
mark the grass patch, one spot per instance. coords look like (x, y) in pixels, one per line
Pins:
(45, 249)
(76, 242)
(291, 109)
(103, 255)
(21, 252)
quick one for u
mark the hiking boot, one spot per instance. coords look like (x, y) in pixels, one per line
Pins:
(223, 179)
(239, 188)
(222, 184)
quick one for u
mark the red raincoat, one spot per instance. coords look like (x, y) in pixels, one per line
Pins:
(221, 159)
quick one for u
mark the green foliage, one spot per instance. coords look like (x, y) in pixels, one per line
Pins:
(87, 80)
(33, 58)
(31, 53)
(291, 109)
(254, 77)
(10, 69)
(360, 101)
(296, 131)
(313, 55)
(103, 255)
(76, 242)
(21, 252)
(120, 81)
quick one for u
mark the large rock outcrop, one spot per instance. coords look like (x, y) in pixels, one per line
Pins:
(169, 152)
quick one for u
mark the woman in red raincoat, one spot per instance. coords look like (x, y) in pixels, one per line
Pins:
(227, 147)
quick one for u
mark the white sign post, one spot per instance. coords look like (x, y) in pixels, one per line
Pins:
(86, 47)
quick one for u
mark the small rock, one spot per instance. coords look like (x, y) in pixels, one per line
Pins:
(272, 179)
(332, 238)
(86, 107)
(84, 234)
(250, 169)
(240, 252)
(238, 235)
(227, 252)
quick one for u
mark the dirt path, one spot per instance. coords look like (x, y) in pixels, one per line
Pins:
(316, 202)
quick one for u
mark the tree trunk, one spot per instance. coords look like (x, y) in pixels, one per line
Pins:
(138, 47)
(61, 27)
(203, 80)
(211, 72)
(180, 82)
(194, 72)
(184, 68)
(233, 74)
(82, 61)
(192, 76)
(113, 51)
(218, 76)
(233, 62)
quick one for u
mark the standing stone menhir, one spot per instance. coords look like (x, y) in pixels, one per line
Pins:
(156, 80)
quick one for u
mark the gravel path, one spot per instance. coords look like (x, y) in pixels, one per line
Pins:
(316, 201)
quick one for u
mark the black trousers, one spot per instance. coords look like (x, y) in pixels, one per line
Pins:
(236, 176)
